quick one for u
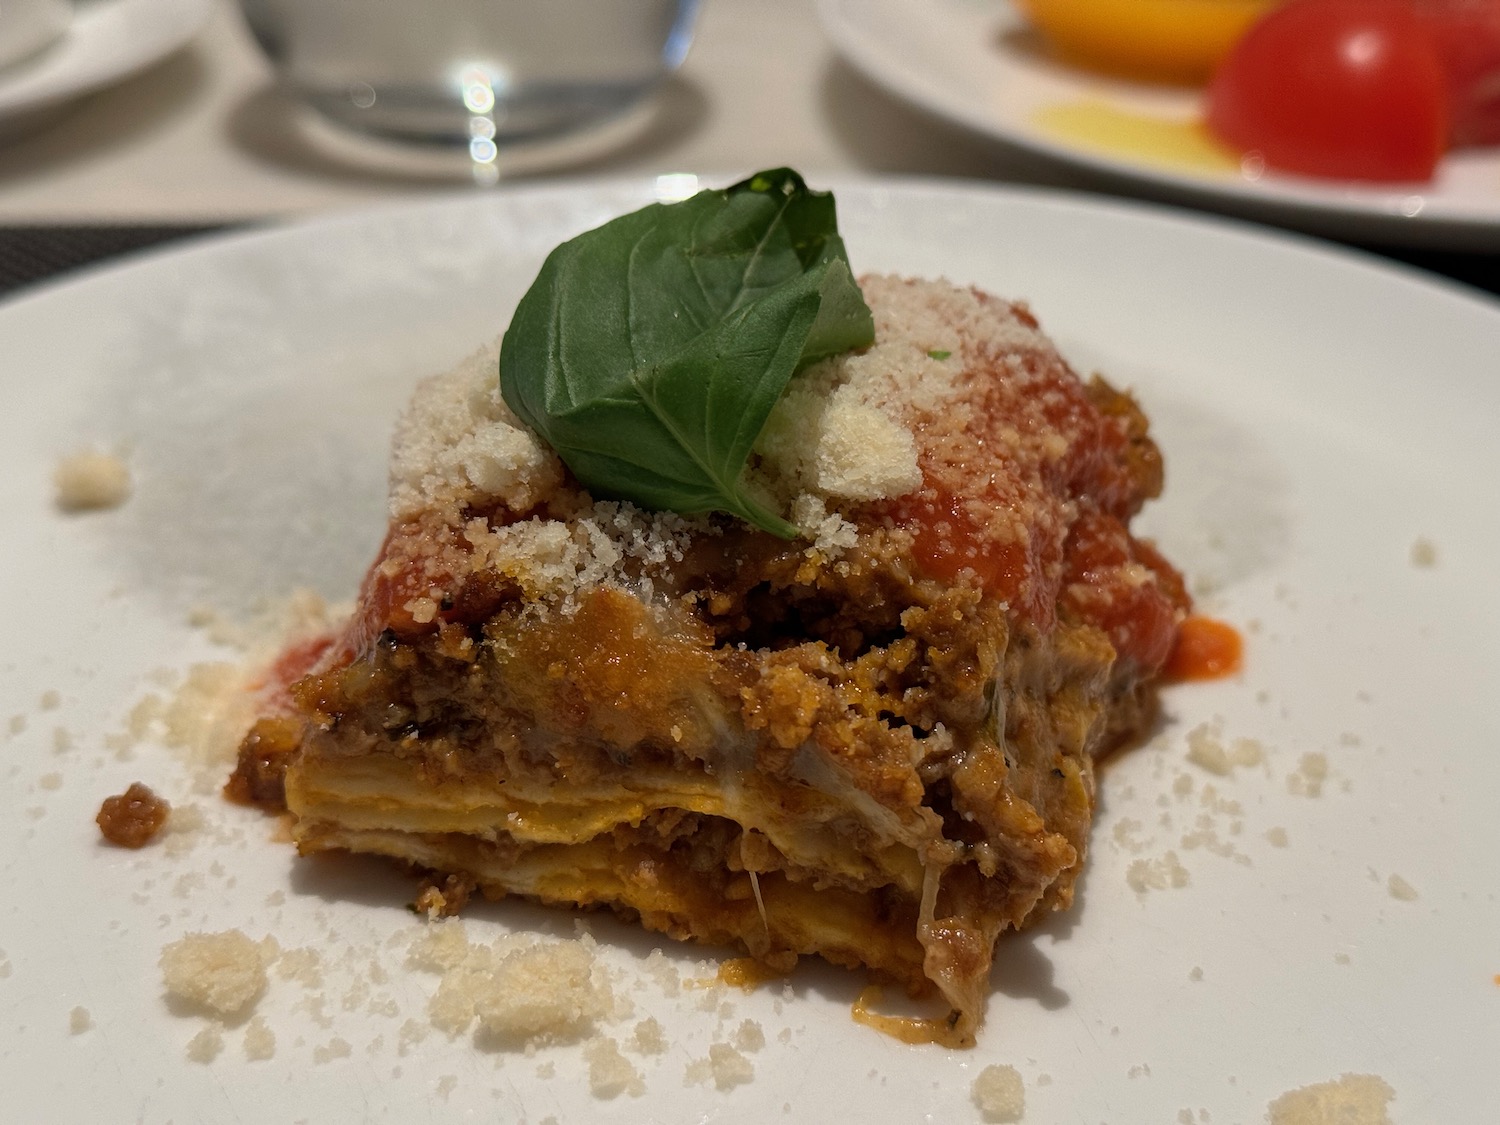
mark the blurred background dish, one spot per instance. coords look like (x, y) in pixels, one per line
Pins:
(26, 26)
(1157, 40)
(105, 41)
(980, 64)
(208, 137)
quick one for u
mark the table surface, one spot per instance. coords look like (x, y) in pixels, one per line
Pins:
(205, 139)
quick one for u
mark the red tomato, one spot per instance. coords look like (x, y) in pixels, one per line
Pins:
(1352, 89)
(1468, 40)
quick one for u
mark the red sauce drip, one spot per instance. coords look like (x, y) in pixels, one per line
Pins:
(1206, 649)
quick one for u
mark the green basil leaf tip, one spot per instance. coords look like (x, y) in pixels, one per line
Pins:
(650, 351)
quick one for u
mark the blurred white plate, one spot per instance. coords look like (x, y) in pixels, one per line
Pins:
(107, 40)
(975, 62)
(1322, 416)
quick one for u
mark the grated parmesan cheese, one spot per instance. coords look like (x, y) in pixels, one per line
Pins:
(260, 1040)
(724, 1066)
(1400, 889)
(224, 972)
(1000, 1094)
(1309, 777)
(648, 1038)
(90, 481)
(749, 1037)
(1160, 874)
(459, 441)
(518, 990)
(611, 1073)
(335, 1048)
(1352, 1099)
(1207, 750)
(206, 1045)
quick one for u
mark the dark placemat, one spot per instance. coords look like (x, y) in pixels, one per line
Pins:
(1482, 271)
(30, 254)
(33, 253)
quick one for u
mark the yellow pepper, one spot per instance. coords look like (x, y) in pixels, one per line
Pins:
(1157, 40)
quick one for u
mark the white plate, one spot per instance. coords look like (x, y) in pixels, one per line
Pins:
(1320, 414)
(108, 40)
(976, 62)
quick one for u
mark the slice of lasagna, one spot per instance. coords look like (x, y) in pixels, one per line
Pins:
(874, 743)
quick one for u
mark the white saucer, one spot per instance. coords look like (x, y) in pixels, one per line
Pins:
(107, 40)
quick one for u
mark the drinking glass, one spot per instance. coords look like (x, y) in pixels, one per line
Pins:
(477, 73)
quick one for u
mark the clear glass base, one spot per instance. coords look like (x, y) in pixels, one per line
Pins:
(467, 72)
(436, 115)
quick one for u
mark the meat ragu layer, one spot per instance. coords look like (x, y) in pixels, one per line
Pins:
(874, 744)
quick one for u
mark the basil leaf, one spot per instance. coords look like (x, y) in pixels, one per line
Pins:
(650, 351)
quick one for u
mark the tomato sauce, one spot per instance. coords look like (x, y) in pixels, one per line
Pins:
(1029, 491)
(950, 538)
(297, 660)
(1124, 588)
(1206, 649)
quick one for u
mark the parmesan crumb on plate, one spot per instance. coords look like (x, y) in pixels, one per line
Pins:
(335, 1048)
(1311, 773)
(206, 1045)
(260, 1040)
(1352, 1099)
(90, 481)
(224, 973)
(1400, 889)
(749, 1037)
(724, 1066)
(518, 990)
(649, 1037)
(1162, 873)
(611, 1073)
(79, 1020)
(1000, 1094)
(1207, 750)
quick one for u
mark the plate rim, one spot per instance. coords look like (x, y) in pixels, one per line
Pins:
(1243, 230)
